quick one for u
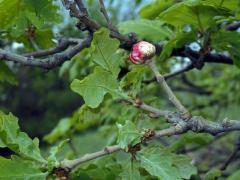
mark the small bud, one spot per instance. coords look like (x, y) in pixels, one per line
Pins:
(141, 52)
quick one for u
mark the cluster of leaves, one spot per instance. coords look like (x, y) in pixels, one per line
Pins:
(20, 19)
(98, 76)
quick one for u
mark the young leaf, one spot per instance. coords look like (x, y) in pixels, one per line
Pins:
(52, 159)
(94, 87)
(105, 52)
(13, 169)
(17, 141)
(152, 30)
(165, 165)
(128, 134)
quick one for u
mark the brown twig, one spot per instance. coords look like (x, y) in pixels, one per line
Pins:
(63, 45)
(105, 14)
(180, 128)
(71, 164)
(47, 63)
(232, 157)
(171, 96)
(173, 74)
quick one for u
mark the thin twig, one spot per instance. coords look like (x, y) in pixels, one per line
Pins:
(181, 126)
(33, 43)
(63, 45)
(71, 164)
(105, 14)
(232, 157)
(72, 147)
(81, 7)
(47, 63)
(168, 90)
(173, 74)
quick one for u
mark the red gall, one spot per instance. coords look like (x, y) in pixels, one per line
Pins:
(141, 52)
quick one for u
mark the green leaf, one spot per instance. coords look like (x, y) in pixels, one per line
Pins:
(228, 41)
(180, 39)
(6, 74)
(18, 169)
(133, 79)
(213, 174)
(152, 30)
(99, 169)
(234, 176)
(130, 171)
(17, 141)
(6, 15)
(61, 130)
(151, 11)
(85, 117)
(94, 87)
(165, 165)
(2, 145)
(17, 15)
(105, 52)
(192, 12)
(190, 139)
(52, 159)
(128, 134)
(232, 5)
(43, 38)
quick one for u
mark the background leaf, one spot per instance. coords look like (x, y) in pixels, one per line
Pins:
(152, 30)
(17, 141)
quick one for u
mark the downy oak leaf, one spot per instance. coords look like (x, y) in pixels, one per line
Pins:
(19, 169)
(105, 51)
(18, 141)
(94, 87)
(165, 165)
(128, 134)
(152, 30)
